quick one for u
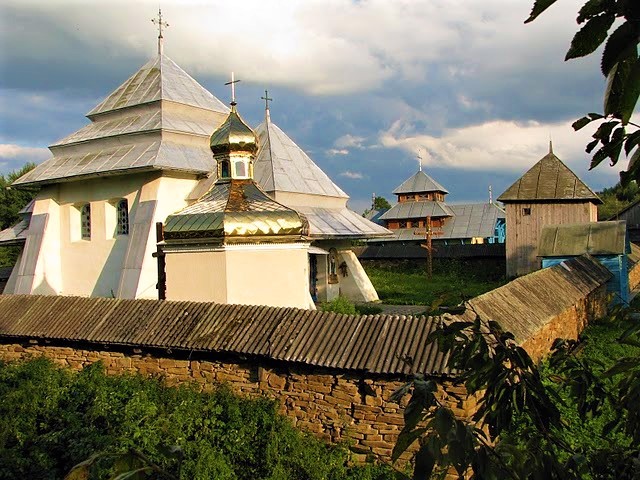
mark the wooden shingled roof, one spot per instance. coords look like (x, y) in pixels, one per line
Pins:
(548, 180)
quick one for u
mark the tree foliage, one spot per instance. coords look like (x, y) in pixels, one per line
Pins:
(12, 200)
(617, 198)
(519, 430)
(127, 426)
(620, 65)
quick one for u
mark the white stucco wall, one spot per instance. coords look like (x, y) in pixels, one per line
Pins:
(65, 264)
(356, 286)
(276, 275)
(196, 275)
(263, 274)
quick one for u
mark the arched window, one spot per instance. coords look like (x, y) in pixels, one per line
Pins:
(122, 215)
(333, 263)
(85, 221)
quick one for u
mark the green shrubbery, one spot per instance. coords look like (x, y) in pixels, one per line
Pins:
(344, 305)
(52, 419)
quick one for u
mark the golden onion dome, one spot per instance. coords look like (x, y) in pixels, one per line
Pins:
(234, 135)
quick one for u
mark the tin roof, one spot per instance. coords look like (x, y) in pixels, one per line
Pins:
(281, 165)
(138, 116)
(235, 208)
(159, 79)
(340, 223)
(384, 344)
(472, 220)
(596, 238)
(111, 160)
(419, 182)
(16, 234)
(420, 209)
(549, 179)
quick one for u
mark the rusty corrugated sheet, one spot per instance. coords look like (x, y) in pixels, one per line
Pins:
(385, 344)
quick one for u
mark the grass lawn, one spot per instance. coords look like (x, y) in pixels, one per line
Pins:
(408, 284)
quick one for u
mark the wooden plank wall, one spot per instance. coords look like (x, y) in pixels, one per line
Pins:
(523, 231)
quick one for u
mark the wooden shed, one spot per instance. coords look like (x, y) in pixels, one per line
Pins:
(607, 242)
(548, 194)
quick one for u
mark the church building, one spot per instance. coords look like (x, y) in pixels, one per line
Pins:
(422, 206)
(148, 157)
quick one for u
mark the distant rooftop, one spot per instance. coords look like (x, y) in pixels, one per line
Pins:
(419, 182)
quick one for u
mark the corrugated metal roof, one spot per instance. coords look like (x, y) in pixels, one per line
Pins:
(472, 220)
(386, 344)
(340, 223)
(159, 79)
(420, 209)
(418, 183)
(549, 179)
(596, 238)
(283, 166)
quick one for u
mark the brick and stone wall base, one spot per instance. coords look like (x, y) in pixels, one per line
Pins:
(335, 406)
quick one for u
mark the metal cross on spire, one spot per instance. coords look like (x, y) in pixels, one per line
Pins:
(158, 21)
(419, 161)
(233, 88)
(266, 102)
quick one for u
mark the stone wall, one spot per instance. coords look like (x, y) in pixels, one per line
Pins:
(569, 324)
(333, 405)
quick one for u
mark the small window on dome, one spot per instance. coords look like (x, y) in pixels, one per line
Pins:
(225, 170)
(241, 168)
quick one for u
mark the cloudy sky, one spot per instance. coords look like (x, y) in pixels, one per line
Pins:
(361, 86)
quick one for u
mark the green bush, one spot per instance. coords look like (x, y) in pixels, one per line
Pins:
(368, 309)
(339, 305)
(52, 419)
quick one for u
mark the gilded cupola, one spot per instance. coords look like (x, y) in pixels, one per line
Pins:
(235, 209)
(234, 146)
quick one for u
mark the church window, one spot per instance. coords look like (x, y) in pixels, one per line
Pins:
(85, 222)
(241, 169)
(403, 224)
(225, 169)
(526, 211)
(122, 213)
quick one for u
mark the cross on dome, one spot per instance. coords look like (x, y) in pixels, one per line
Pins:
(233, 89)
(158, 21)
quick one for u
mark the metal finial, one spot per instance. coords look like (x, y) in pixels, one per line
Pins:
(266, 102)
(490, 194)
(233, 88)
(158, 21)
(550, 146)
(419, 161)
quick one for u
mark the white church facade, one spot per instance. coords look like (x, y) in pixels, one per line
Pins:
(145, 156)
